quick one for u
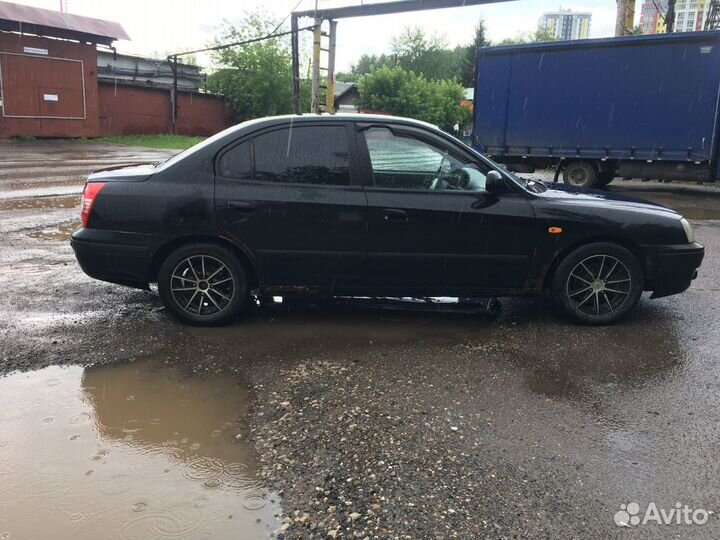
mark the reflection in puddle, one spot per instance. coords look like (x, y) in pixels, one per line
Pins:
(130, 451)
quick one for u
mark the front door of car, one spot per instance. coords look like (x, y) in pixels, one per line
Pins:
(433, 228)
(288, 194)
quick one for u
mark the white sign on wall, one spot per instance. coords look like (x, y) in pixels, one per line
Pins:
(35, 50)
(50, 97)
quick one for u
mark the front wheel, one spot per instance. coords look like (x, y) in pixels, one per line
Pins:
(598, 284)
(203, 284)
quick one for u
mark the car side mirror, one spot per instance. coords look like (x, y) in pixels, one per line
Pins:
(495, 183)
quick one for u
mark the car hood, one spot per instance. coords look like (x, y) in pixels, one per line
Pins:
(563, 193)
(134, 172)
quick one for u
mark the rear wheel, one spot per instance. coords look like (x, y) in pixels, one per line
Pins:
(598, 283)
(203, 284)
(581, 174)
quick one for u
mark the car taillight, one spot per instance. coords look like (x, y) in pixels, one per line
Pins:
(89, 194)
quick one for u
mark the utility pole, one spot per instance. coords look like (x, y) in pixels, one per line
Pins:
(317, 37)
(295, 40)
(670, 17)
(174, 93)
(330, 91)
(625, 17)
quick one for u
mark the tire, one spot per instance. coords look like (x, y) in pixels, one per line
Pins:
(598, 284)
(581, 174)
(203, 285)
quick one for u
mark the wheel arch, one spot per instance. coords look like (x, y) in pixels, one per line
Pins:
(632, 247)
(244, 254)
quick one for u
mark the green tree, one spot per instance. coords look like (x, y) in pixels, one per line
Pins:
(423, 55)
(404, 93)
(344, 76)
(468, 54)
(256, 78)
(368, 63)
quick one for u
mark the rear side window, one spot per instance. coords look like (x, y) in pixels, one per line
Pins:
(300, 155)
(237, 162)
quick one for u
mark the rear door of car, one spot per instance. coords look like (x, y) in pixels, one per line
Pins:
(291, 195)
(438, 232)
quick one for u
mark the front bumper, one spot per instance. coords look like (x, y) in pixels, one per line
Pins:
(122, 258)
(671, 269)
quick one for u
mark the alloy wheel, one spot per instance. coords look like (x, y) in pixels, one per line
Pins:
(598, 285)
(202, 285)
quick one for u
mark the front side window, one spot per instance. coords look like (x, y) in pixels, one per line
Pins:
(401, 161)
(299, 155)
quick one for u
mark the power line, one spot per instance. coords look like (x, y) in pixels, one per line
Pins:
(245, 42)
(287, 16)
(273, 34)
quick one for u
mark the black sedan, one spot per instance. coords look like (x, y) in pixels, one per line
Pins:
(362, 205)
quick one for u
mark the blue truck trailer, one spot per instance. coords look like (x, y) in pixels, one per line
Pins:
(633, 107)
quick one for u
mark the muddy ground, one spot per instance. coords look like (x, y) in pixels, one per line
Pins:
(376, 424)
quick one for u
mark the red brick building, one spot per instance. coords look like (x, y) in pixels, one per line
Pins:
(49, 83)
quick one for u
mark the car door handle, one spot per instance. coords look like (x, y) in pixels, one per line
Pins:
(393, 214)
(241, 206)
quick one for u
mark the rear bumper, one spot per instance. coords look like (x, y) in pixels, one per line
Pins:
(123, 258)
(671, 269)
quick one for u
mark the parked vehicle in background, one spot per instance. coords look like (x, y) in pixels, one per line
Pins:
(364, 205)
(636, 107)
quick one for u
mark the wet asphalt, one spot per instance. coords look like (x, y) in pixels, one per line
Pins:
(392, 424)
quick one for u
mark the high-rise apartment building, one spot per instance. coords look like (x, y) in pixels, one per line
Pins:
(566, 24)
(652, 16)
(690, 15)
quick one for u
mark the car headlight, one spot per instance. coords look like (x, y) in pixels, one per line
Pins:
(688, 230)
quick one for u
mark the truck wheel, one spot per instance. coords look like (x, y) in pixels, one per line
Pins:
(605, 178)
(581, 174)
(598, 283)
(203, 284)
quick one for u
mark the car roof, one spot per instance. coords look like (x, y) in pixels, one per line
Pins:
(325, 117)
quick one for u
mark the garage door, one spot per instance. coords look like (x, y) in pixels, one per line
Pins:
(42, 87)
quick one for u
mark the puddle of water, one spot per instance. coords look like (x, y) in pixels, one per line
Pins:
(129, 451)
(42, 203)
(61, 232)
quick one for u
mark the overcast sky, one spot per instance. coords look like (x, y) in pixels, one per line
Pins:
(163, 26)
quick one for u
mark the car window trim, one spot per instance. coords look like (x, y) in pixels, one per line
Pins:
(247, 137)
